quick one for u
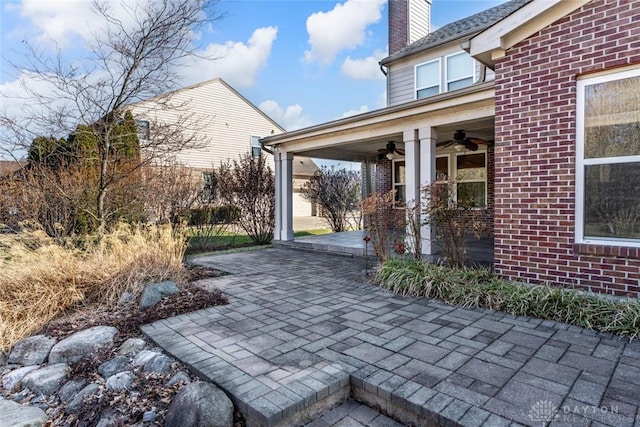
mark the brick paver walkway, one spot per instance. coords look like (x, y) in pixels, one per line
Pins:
(302, 331)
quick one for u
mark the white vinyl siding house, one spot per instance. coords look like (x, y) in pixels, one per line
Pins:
(226, 122)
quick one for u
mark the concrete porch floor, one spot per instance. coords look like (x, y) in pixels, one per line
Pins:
(351, 243)
(302, 332)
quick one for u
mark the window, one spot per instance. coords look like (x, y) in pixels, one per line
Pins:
(399, 180)
(442, 168)
(431, 79)
(208, 187)
(256, 147)
(428, 79)
(459, 71)
(608, 159)
(143, 129)
(471, 177)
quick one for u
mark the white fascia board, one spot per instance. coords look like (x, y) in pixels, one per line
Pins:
(492, 43)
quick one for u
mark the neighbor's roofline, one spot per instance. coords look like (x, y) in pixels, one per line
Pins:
(204, 83)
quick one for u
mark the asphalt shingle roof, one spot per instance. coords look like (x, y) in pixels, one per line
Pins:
(465, 27)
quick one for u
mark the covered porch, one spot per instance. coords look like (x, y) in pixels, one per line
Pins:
(425, 143)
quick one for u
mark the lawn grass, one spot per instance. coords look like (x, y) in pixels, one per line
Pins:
(481, 288)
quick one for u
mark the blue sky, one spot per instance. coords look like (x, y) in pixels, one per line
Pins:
(302, 61)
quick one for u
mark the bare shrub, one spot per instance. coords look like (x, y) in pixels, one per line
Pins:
(249, 185)
(454, 219)
(41, 279)
(337, 191)
(381, 218)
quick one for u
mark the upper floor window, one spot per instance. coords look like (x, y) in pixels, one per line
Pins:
(256, 147)
(452, 72)
(428, 79)
(208, 187)
(143, 129)
(608, 159)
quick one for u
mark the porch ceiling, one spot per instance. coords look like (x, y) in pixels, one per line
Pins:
(367, 149)
(360, 137)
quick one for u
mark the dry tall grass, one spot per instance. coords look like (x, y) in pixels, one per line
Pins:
(40, 279)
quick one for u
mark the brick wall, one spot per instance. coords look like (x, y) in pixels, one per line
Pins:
(535, 150)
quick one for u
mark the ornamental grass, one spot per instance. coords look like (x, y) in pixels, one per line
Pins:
(481, 288)
(40, 279)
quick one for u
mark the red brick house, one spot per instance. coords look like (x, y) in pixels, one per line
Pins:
(533, 107)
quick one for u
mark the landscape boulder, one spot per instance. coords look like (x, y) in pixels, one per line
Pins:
(82, 344)
(200, 404)
(132, 345)
(121, 380)
(47, 380)
(13, 414)
(154, 292)
(113, 366)
(76, 402)
(71, 388)
(160, 364)
(11, 379)
(32, 350)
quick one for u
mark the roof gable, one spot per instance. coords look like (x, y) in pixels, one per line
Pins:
(492, 43)
(466, 27)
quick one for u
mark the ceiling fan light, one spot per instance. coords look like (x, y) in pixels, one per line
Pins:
(389, 156)
(459, 147)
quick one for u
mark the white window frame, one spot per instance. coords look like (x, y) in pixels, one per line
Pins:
(457, 180)
(415, 77)
(252, 145)
(581, 162)
(471, 74)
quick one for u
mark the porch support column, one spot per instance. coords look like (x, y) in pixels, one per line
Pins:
(286, 195)
(277, 232)
(427, 136)
(412, 176)
(283, 195)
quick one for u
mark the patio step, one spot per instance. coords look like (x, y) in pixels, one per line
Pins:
(323, 247)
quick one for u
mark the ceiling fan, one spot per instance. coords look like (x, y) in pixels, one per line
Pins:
(389, 151)
(460, 139)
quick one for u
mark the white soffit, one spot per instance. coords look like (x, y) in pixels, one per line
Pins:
(492, 43)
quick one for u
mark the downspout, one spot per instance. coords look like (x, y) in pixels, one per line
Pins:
(382, 68)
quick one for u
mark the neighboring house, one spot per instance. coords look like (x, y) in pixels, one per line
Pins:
(547, 93)
(224, 124)
(303, 169)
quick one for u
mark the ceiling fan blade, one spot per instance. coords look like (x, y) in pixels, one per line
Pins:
(400, 151)
(446, 143)
(476, 141)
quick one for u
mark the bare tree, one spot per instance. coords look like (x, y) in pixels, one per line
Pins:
(130, 60)
(337, 191)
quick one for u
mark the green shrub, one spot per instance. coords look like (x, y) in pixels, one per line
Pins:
(481, 288)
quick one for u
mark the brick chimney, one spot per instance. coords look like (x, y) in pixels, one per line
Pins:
(408, 21)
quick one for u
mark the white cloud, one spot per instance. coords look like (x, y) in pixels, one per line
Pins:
(237, 63)
(362, 109)
(59, 21)
(343, 27)
(382, 100)
(290, 118)
(364, 69)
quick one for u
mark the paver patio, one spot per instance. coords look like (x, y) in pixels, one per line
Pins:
(303, 331)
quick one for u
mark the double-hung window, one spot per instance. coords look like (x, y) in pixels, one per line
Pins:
(428, 79)
(256, 147)
(143, 129)
(471, 179)
(444, 74)
(459, 71)
(608, 159)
